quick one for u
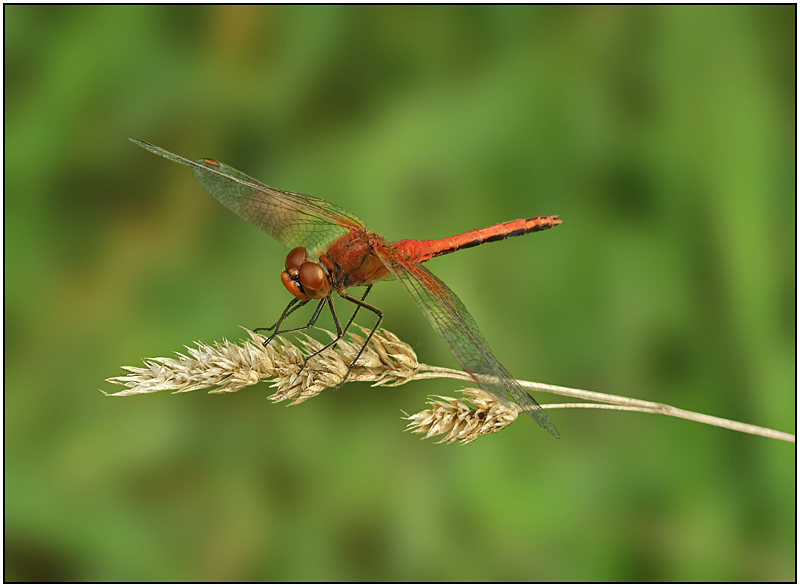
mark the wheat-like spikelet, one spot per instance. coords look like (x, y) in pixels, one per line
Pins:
(386, 360)
(227, 367)
(463, 419)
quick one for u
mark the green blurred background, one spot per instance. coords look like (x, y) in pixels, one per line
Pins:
(665, 139)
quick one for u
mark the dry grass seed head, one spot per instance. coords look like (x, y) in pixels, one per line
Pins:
(463, 419)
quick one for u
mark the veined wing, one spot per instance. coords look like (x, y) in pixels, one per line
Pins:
(457, 327)
(296, 220)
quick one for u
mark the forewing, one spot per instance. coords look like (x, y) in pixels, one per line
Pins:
(296, 220)
(457, 327)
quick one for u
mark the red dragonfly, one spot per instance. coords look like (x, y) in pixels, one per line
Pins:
(332, 250)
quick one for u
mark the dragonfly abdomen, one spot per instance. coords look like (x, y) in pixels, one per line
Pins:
(420, 251)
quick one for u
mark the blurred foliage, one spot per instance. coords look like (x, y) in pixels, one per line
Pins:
(663, 136)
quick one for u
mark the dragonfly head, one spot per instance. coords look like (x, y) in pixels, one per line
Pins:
(303, 278)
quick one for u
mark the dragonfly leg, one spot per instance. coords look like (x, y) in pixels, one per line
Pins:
(361, 304)
(289, 309)
(339, 331)
(358, 307)
(286, 312)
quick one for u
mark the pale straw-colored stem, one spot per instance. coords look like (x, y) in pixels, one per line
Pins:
(618, 402)
(687, 415)
(227, 367)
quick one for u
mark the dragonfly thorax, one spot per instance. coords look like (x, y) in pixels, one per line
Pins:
(303, 278)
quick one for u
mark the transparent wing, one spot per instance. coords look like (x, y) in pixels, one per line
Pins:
(457, 327)
(296, 220)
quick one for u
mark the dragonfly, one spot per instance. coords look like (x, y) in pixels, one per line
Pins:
(332, 251)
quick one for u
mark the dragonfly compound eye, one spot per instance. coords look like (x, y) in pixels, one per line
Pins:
(314, 280)
(296, 257)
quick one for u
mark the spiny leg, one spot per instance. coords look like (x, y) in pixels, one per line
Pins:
(358, 307)
(288, 310)
(339, 331)
(286, 313)
(361, 303)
